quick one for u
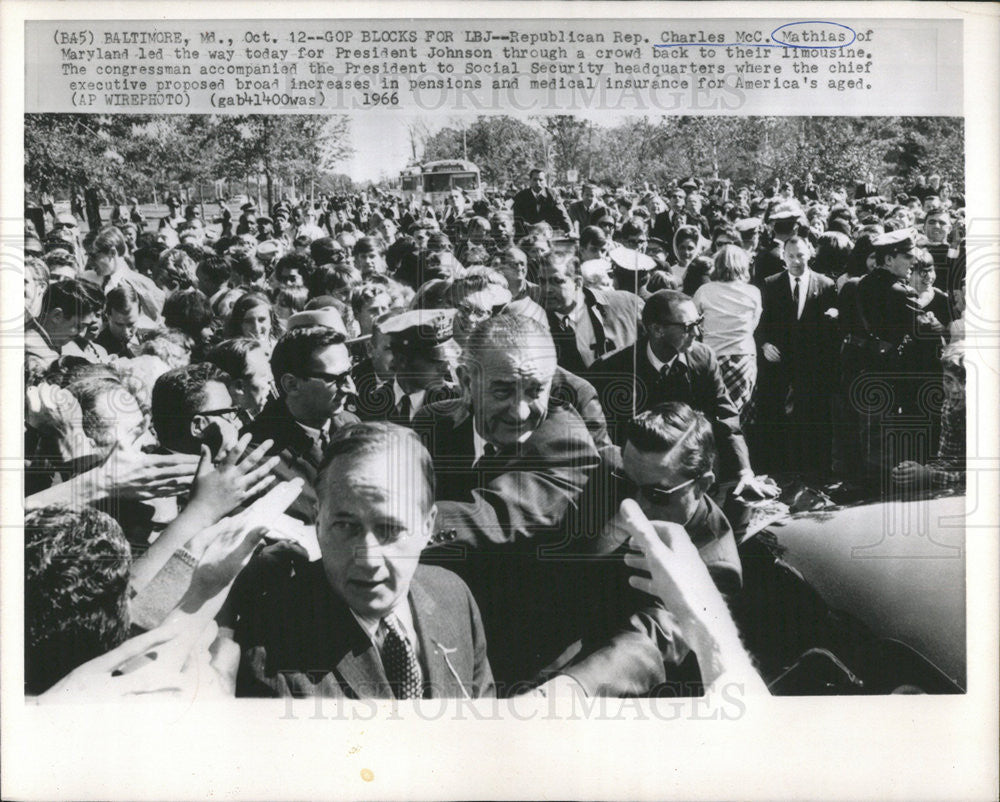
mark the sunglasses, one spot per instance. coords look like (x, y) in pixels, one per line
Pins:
(653, 493)
(689, 328)
(342, 380)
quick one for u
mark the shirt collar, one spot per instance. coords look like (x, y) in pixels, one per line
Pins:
(658, 365)
(416, 399)
(804, 278)
(402, 611)
(314, 433)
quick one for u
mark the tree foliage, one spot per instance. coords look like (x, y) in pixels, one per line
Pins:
(836, 150)
(136, 154)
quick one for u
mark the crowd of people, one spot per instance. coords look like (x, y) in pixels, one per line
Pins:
(377, 446)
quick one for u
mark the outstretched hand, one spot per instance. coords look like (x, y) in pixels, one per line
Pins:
(128, 473)
(221, 487)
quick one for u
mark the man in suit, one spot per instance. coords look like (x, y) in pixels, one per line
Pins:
(769, 260)
(366, 620)
(373, 375)
(586, 323)
(537, 204)
(424, 356)
(520, 495)
(588, 210)
(667, 222)
(669, 364)
(796, 336)
(312, 370)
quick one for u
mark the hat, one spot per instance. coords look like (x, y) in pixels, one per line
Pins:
(327, 317)
(249, 206)
(627, 259)
(66, 219)
(420, 329)
(268, 249)
(893, 242)
(173, 201)
(747, 224)
(604, 218)
(592, 268)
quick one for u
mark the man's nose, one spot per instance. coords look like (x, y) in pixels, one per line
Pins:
(522, 410)
(368, 552)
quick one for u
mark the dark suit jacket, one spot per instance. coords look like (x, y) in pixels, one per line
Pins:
(614, 316)
(515, 496)
(522, 529)
(768, 261)
(298, 638)
(299, 454)
(529, 210)
(579, 394)
(628, 385)
(807, 344)
(583, 217)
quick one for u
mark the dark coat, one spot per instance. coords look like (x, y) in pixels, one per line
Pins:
(298, 638)
(299, 454)
(529, 210)
(628, 385)
(614, 316)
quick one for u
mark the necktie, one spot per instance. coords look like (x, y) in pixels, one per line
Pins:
(567, 350)
(324, 440)
(400, 661)
(403, 408)
(795, 297)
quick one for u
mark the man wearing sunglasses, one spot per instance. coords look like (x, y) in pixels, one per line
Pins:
(312, 372)
(670, 364)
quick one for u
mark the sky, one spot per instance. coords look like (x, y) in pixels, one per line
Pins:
(381, 145)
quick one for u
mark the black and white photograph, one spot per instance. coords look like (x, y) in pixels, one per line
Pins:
(521, 405)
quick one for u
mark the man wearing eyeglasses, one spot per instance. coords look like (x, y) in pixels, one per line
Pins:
(191, 406)
(312, 371)
(670, 364)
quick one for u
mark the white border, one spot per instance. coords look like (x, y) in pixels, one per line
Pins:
(886, 748)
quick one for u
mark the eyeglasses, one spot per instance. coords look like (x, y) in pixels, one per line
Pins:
(654, 493)
(689, 328)
(342, 381)
(232, 413)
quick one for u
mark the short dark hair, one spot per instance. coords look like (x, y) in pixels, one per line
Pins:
(76, 578)
(388, 439)
(661, 305)
(674, 426)
(295, 261)
(332, 278)
(216, 268)
(177, 395)
(189, 311)
(293, 352)
(121, 299)
(75, 298)
(326, 250)
(230, 356)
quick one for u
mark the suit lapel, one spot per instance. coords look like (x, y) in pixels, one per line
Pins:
(359, 667)
(439, 643)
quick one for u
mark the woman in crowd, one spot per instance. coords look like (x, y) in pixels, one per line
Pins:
(253, 317)
(731, 306)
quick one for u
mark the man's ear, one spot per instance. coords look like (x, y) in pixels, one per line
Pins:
(198, 424)
(289, 383)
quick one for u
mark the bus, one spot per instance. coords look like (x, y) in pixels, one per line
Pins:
(434, 181)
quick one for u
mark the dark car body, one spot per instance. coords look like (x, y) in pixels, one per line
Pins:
(863, 599)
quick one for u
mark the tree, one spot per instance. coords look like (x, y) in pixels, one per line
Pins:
(504, 148)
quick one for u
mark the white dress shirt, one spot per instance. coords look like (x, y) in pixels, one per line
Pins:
(803, 289)
(416, 399)
(376, 633)
(579, 319)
